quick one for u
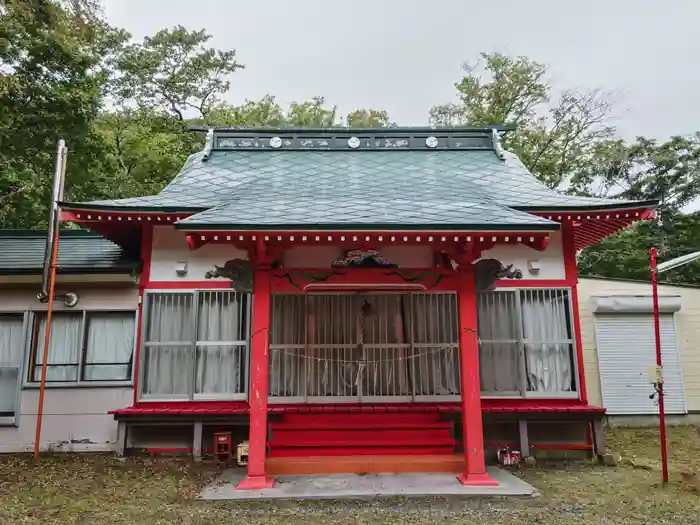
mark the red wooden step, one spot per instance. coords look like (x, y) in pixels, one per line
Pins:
(367, 451)
(345, 418)
(419, 435)
(359, 443)
(358, 433)
(350, 425)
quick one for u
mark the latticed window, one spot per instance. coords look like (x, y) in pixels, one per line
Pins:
(365, 347)
(195, 345)
(526, 342)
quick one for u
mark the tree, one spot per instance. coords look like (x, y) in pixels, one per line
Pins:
(555, 136)
(668, 172)
(626, 255)
(54, 67)
(175, 73)
(567, 142)
(310, 114)
(368, 118)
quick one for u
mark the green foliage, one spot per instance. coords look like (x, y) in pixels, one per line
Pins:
(555, 136)
(645, 169)
(174, 73)
(627, 253)
(53, 71)
(122, 106)
(568, 143)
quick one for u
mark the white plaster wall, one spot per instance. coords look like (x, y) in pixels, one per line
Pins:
(105, 299)
(170, 246)
(551, 260)
(323, 256)
(75, 420)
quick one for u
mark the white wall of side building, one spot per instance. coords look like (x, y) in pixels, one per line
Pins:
(74, 420)
(687, 327)
(75, 416)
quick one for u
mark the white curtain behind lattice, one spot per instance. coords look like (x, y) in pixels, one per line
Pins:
(547, 344)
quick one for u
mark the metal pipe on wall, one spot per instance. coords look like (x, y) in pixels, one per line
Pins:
(52, 238)
(48, 283)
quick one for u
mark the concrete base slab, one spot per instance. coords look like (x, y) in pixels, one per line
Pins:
(341, 486)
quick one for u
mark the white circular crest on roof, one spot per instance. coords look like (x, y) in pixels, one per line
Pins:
(275, 142)
(354, 142)
(431, 142)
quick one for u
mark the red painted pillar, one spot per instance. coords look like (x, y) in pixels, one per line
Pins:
(259, 364)
(474, 464)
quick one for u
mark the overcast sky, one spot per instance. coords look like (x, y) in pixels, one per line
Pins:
(405, 55)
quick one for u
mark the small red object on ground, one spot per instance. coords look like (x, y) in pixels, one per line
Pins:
(223, 445)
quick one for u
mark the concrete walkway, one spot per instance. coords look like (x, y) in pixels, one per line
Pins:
(340, 486)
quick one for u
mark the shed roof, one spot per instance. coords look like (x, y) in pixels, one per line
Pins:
(80, 252)
(448, 178)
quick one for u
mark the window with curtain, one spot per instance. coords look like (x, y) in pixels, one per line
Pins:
(526, 342)
(195, 345)
(11, 352)
(84, 347)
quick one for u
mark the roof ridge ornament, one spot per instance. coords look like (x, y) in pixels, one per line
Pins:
(209, 145)
(498, 144)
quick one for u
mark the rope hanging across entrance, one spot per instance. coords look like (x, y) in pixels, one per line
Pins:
(442, 348)
(363, 310)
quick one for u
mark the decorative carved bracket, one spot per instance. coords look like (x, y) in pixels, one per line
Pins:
(488, 271)
(239, 271)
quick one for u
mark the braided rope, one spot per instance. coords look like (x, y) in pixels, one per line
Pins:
(442, 348)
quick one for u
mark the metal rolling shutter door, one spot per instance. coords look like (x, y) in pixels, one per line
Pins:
(626, 350)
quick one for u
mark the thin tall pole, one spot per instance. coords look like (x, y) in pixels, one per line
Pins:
(60, 168)
(660, 384)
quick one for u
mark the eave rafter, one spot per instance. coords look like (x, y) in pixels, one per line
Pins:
(119, 216)
(591, 227)
(446, 241)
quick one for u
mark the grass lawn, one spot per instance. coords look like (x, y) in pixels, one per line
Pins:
(100, 490)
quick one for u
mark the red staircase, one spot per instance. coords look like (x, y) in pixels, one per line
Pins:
(346, 434)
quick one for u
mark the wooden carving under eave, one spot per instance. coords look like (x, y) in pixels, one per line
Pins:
(363, 259)
(302, 278)
(239, 271)
(488, 271)
(426, 278)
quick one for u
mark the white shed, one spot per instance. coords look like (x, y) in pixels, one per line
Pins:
(617, 332)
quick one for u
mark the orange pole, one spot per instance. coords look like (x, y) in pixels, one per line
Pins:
(47, 340)
(51, 292)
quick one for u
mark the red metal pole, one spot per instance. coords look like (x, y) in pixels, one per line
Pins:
(660, 386)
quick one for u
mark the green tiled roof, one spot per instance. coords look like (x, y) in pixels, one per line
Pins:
(22, 253)
(315, 179)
